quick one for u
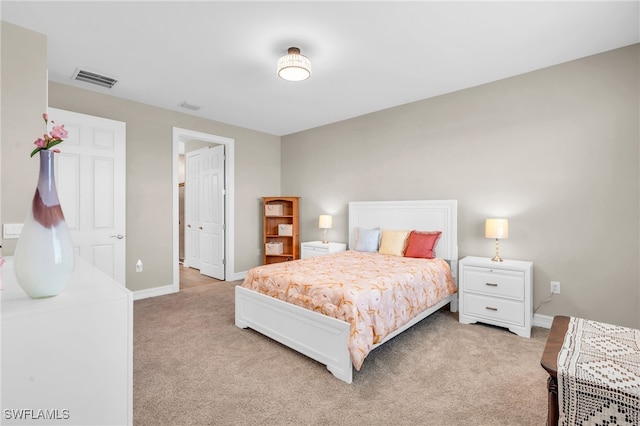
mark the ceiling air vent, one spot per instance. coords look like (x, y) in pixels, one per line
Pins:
(94, 78)
(187, 105)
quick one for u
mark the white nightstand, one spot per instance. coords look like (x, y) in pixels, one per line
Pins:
(317, 248)
(498, 293)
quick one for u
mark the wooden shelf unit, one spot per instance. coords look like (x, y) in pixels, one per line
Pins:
(271, 223)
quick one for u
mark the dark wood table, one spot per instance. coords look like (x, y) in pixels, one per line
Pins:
(549, 362)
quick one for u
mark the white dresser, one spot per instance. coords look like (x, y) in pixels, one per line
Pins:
(67, 360)
(318, 248)
(498, 293)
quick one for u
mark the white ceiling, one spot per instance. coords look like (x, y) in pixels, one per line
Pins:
(366, 56)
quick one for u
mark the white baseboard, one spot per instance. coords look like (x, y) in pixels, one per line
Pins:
(543, 321)
(153, 292)
(238, 276)
(168, 289)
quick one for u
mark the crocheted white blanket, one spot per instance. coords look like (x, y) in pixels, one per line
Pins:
(599, 374)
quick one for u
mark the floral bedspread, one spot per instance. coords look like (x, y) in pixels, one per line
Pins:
(375, 293)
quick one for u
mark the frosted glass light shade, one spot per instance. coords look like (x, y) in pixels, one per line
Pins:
(496, 228)
(293, 66)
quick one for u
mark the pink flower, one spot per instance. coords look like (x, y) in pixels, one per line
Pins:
(58, 132)
(48, 141)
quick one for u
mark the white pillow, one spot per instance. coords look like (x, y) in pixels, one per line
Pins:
(366, 239)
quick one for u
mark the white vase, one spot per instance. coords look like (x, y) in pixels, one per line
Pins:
(44, 257)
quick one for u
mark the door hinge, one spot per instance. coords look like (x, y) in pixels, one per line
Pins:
(224, 261)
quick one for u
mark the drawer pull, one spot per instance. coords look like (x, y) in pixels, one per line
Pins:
(492, 284)
(489, 308)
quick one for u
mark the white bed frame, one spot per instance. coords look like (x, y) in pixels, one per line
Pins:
(324, 338)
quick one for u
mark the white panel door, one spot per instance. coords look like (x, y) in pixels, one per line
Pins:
(212, 213)
(91, 186)
(193, 167)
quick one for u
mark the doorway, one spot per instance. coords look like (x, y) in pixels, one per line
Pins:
(184, 136)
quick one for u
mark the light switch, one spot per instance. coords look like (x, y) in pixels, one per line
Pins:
(11, 230)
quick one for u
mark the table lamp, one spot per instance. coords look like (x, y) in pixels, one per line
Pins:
(325, 222)
(498, 229)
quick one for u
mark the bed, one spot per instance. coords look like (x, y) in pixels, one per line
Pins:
(327, 339)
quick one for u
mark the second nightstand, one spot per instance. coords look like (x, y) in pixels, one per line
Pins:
(498, 293)
(317, 248)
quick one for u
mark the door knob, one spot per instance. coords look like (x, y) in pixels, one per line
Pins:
(200, 227)
(119, 236)
(188, 226)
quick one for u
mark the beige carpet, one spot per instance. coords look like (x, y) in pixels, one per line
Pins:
(192, 366)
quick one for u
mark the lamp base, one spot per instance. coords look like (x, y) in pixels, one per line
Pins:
(497, 257)
(324, 237)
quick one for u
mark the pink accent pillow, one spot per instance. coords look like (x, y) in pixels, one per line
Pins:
(422, 244)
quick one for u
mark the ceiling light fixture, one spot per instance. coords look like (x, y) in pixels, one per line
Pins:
(294, 66)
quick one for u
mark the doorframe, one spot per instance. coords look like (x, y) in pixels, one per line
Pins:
(185, 135)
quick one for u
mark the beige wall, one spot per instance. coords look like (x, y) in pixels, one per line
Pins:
(556, 151)
(149, 184)
(24, 88)
(149, 159)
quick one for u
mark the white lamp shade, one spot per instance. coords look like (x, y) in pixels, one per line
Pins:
(496, 228)
(325, 221)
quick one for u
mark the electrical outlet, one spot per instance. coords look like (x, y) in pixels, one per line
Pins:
(139, 266)
(555, 287)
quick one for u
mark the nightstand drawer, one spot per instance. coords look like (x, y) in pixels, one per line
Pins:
(507, 311)
(317, 248)
(494, 282)
(313, 251)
